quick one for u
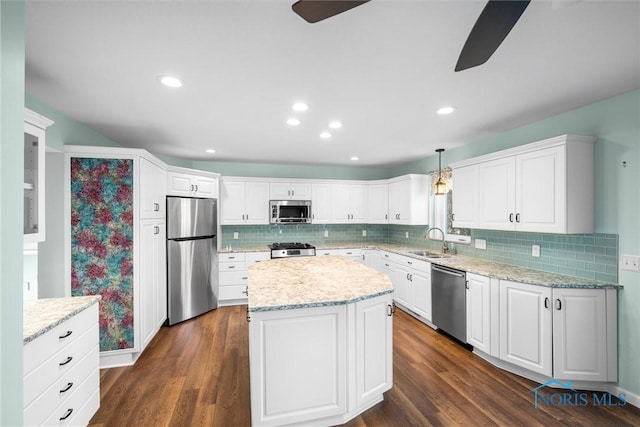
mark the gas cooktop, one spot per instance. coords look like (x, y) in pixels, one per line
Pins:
(290, 249)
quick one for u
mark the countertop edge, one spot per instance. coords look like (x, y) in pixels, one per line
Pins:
(318, 304)
(66, 314)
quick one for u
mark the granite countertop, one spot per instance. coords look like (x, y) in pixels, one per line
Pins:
(474, 265)
(288, 283)
(42, 315)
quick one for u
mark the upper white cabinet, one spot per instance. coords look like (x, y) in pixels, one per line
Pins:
(379, 203)
(320, 203)
(546, 186)
(191, 183)
(35, 127)
(290, 191)
(244, 201)
(152, 201)
(349, 203)
(409, 200)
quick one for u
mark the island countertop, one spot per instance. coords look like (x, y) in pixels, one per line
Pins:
(42, 315)
(288, 283)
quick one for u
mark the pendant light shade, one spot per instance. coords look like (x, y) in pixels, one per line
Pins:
(440, 187)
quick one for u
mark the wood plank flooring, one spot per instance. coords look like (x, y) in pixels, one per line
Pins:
(197, 374)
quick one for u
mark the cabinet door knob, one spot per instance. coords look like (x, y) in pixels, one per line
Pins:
(558, 304)
(546, 302)
(67, 388)
(517, 217)
(196, 187)
(69, 359)
(390, 310)
(65, 335)
(511, 217)
(67, 415)
(156, 229)
(246, 291)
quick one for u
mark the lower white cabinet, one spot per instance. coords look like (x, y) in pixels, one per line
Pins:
(479, 325)
(371, 258)
(563, 333)
(306, 369)
(61, 373)
(153, 296)
(412, 285)
(233, 275)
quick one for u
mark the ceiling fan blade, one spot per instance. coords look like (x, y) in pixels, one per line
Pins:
(313, 11)
(493, 25)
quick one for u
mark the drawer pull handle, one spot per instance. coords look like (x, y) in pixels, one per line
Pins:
(65, 335)
(69, 359)
(246, 291)
(67, 388)
(231, 267)
(67, 415)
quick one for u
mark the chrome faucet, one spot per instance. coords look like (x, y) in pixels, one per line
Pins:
(444, 243)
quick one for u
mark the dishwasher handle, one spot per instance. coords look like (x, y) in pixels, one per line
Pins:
(451, 272)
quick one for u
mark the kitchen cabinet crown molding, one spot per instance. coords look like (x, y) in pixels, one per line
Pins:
(189, 171)
(90, 150)
(36, 119)
(521, 149)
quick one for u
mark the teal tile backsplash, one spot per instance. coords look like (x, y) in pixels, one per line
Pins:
(592, 256)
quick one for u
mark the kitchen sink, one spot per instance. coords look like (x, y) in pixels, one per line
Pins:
(426, 254)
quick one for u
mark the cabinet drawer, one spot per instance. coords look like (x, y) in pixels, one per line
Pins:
(80, 406)
(59, 365)
(228, 278)
(45, 346)
(391, 257)
(232, 266)
(416, 264)
(255, 257)
(66, 392)
(231, 257)
(233, 292)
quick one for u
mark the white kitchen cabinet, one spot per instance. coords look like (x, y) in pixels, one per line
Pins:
(344, 351)
(526, 334)
(244, 201)
(290, 191)
(465, 195)
(191, 183)
(584, 334)
(354, 254)
(61, 372)
(153, 296)
(545, 187)
(371, 258)
(35, 127)
(409, 199)
(349, 203)
(379, 203)
(234, 275)
(374, 348)
(479, 325)
(412, 286)
(113, 250)
(153, 200)
(320, 203)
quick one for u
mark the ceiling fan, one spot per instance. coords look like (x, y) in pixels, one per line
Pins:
(493, 25)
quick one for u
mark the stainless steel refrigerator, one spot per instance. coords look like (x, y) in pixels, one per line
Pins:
(192, 275)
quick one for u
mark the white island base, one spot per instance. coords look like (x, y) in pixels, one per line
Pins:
(320, 365)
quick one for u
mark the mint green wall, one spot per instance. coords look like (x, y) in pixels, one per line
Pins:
(292, 171)
(12, 24)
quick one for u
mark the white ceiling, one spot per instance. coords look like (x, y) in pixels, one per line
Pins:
(382, 68)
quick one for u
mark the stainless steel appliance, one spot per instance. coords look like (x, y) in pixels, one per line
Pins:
(448, 296)
(192, 276)
(285, 250)
(290, 211)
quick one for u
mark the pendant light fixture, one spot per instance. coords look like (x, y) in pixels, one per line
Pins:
(440, 187)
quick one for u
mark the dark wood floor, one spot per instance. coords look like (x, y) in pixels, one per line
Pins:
(197, 374)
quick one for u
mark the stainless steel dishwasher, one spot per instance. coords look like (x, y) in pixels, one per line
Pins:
(448, 297)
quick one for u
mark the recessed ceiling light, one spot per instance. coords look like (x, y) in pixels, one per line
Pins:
(210, 150)
(170, 81)
(293, 121)
(446, 110)
(300, 106)
(354, 158)
(325, 135)
(335, 125)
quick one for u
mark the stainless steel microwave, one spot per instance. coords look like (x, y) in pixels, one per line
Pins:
(290, 211)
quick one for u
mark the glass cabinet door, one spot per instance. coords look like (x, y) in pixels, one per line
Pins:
(31, 187)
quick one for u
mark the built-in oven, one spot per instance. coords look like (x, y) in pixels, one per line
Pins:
(290, 211)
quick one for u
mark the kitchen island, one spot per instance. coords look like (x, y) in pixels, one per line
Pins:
(320, 340)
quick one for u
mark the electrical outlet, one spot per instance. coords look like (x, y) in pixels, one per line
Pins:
(406, 235)
(236, 235)
(535, 251)
(481, 244)
(326, 233)
(629, 262)
(364, 233)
